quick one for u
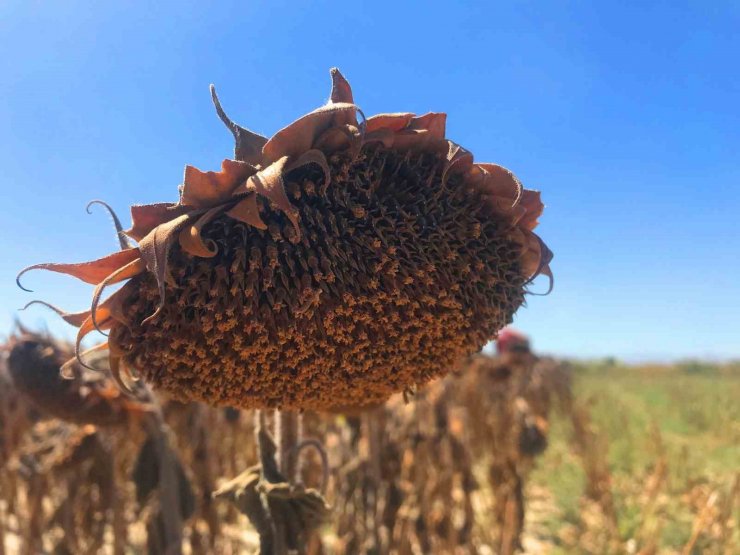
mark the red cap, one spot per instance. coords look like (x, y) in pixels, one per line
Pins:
(509, 338)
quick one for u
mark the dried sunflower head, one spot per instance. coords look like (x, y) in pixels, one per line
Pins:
(340, 261)
(34, 362)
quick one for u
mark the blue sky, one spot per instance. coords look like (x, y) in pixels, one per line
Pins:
(626, 117)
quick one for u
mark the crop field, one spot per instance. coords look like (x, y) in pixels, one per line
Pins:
(669, 438)
(369, 279)
(640, 459)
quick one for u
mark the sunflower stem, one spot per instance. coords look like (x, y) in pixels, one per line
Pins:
(269, 542)
(169, 498)
(288, 429)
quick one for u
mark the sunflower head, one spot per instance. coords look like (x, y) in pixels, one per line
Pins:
(340, 261)
(35, 364)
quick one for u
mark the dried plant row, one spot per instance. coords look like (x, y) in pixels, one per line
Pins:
(405, 477)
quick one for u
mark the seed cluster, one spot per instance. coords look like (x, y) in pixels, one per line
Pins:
(395, 276)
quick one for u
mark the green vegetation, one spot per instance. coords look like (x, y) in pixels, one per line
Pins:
(671, 441)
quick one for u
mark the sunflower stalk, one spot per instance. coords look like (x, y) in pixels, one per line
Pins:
(169, 498)
(282, 511)
(289, 432)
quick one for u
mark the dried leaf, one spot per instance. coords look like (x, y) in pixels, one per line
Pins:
(89, 272)
(128, 271)
(313, 156)
(248, 147)
(145, 217)
(208, 189)
(392, 122)
(190, 236)
(340, 89)
(269, 184)
(74, 318)
(532, 203)
(120, 234)
(502, 182)
(155, 250)
(299, 136)
(116, 371)
(433, 122)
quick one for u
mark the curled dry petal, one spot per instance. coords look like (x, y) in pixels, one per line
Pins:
(120, 234)
(269, 184)
(313, 156)
(73, 318)
(502, 182)
(532, 203)
(433, 122)
(207, 189)
(337, 138)
(391, 122)
(192, 241)
(133, 268)
(546, 256)
(299, 136)
(248, 147)
(106, 314)
(340, 89)
(155, 250)
(145, 217)
(535, 258)
(116, 371)
(67, 370)
(90, 272)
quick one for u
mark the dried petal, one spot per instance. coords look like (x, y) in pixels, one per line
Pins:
(249, 145)
(191, 240)
(73, 318)
(120, 234)
(340, 89)
(155, 249)
(392, 122)
(269, 184)
(89, 272)
(128, 271)
(532, 203)
(145, 217)
(299, 136)
(433, 122)
(502, 182)
(207, 189)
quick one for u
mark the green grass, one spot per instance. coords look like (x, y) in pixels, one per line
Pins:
(688, 413)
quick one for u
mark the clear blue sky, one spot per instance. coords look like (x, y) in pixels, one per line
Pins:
(627, 118)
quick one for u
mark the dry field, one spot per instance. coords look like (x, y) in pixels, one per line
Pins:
(639, 460)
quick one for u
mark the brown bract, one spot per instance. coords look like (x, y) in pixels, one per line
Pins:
(333, 264)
